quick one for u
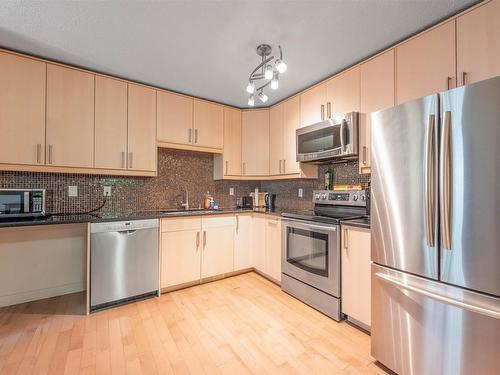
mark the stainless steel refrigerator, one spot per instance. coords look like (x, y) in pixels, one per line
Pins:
(435, 221)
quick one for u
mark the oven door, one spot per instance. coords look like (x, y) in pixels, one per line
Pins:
(311, 254)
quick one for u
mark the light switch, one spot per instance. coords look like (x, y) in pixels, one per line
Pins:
(301, 193)
(231, 191)
(72, 191)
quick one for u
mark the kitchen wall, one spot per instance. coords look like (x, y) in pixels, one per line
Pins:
(177, 171)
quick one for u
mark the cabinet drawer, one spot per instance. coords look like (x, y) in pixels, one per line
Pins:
(219, 221)
(180, 223)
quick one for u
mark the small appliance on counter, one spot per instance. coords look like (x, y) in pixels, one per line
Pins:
(261, 200)
(22, 203)
(244, 202)
(270, 200)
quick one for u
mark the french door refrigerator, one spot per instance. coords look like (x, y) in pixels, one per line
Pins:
(435, 222)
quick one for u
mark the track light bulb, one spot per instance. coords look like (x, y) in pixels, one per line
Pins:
(268, 72)
(251, 87)
(263, 97)
(275, 82)
(280, 66)
(251, 101)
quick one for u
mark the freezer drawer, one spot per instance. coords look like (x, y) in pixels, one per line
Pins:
(426, 327)
(123, 261)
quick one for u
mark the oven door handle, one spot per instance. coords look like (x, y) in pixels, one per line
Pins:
(332, 228)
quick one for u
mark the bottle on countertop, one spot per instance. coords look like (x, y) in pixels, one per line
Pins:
(208, 199)
(329, 177)
(256, 197)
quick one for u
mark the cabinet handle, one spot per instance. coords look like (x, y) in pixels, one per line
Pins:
(190, 136)
(39, 153)
(364, 155)
(204, 238)
(284, 166)
(345, 239)
(130, 159)
(237, 223)
(243, 168)
(328, 109)
(226, 167)
(195, 135)
(280, 165)
(449, 83)
(49, 152)
(322, 112)
(123, 159)
(464, 78)
(197, 240)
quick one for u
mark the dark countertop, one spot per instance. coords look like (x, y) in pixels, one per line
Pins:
(121, 216)
(360, 223)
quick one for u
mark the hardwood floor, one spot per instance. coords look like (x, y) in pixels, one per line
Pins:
(240, 325)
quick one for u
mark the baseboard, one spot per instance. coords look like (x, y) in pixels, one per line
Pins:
(33, 295)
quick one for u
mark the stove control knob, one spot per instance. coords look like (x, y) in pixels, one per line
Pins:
(323, 196)
(363, 198)
(355, 197)
(317, 196)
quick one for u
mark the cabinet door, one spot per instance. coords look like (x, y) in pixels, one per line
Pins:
(356, 300)
(312, 105)
(290, 123)
(273, 248)
(180, 257)
(377, 92)
(478, 41)
(208, 124)
(426, 64)
(255, 143)
(175, 118)
(22, 110)
(342, 93)
(243, 242)
(110, 123)
(259, 243)
(141, 128)
(232, 142)
(70, 117)
(218, 246)
(276, 140)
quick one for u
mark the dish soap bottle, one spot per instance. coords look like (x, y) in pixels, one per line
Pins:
(329, 179)
(206, 202)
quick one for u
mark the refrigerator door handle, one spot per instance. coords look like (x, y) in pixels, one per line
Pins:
(430, 181)
(445, 181)
(438, 297)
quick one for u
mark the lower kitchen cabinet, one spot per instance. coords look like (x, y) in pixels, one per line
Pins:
(243, 243)
(259, 243)
(273, 248)
(217, 246)
(356, 293)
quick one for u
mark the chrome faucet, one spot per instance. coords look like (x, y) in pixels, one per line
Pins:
(186, 203)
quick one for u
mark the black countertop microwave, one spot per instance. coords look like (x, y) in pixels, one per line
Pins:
(15, 203)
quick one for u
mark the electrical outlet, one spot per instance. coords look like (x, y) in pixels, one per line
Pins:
(301, 193)
(231, 191)
(72, 191)
(107, 191)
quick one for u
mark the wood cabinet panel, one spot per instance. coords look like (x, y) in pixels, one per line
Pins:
(208, 119)
(259, 242)
(291, 121)
(232, 142)
(218, 248)
(110, 123)
(243, 242)
(175, 118)
(70, 117)
(426, 64)
(255, 143)
(22, 110)
(313, 105)
(180, 257)
(356, 286)
(342, 93)
(273, 248)
(377, 92)
(276, 128)
(141, 128)
(478, 41)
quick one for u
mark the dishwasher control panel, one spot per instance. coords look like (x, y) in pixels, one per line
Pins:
(120, 226)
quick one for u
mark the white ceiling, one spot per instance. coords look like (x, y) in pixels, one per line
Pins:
(207, 48)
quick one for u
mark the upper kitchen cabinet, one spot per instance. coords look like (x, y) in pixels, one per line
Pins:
(175, 118)
(141, 128)
(478, 41)
(313, 105)
(22, 110)
(255, 143)
(342, 93)
(276, 132)
(208, 120)
(291, 122)
(110, 123)
(426, 63)
(70, 117)
(377, 92)
(232, 142)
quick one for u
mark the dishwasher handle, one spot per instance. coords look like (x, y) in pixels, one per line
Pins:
(127, 232)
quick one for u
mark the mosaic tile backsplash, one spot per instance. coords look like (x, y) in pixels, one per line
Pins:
(177, 171)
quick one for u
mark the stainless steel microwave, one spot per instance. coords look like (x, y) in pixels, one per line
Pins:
(335, 138)
(16, 203)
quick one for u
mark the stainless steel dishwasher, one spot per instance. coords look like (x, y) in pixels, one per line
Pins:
(123, 262)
